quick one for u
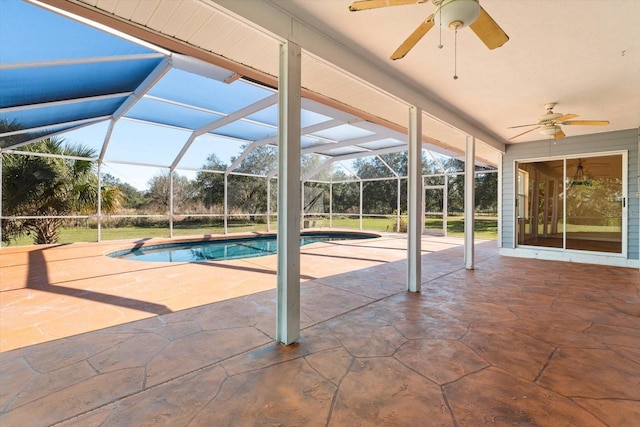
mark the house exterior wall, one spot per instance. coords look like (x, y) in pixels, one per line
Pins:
(627, 140)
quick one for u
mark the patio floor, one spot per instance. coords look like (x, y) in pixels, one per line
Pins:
(94, 341)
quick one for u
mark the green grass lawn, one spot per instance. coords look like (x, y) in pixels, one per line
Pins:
(486, 228)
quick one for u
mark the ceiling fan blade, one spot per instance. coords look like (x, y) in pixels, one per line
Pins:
(522, 126)
(559, 135)
(488, 31)
(527, 131)
(566, 117)
(587, 122)
(374, 4)
(414, 38)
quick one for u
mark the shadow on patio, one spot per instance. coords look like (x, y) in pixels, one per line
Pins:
(514, 341)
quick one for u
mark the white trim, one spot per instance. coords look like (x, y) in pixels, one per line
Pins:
(199, 67)
(55, 156)
(571, 156)
(91, 120)
(573, 253)
(571, 256)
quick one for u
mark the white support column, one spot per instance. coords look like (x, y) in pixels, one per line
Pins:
(170, 202)
(422, 203)
(445, 205)
(302, 203)
(361, 185)
(398, 213)
(268, 180)
(99, 210)
(414, 201)
(469, 201)
(226, 204)
(289, 105)
(331, 204)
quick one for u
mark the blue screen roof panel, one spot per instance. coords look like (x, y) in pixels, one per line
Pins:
(47, 35)
(247, 131)
(34, 85)
(310, 118)
(56, 67)
(270, 116)
(170, 114)
(341, 133)
(189, 88)
(383, 143)
(50, 116)
(306, 142)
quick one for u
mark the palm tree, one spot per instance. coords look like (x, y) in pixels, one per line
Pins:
(50, 188)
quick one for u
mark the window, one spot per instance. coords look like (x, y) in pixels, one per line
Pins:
(572, 203)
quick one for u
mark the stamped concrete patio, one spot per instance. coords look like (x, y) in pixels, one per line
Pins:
(93, 341)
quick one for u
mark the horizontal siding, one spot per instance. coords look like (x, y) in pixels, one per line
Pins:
(634, 204)
(507, 205)
(574, 146)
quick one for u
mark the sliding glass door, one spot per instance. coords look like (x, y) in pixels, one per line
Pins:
(572, 203)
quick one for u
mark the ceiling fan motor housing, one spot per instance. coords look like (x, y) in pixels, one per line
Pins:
(456, 14)
(548, 118)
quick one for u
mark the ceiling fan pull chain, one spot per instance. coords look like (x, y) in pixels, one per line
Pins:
(455, 55)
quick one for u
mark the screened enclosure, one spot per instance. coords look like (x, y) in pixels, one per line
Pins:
(113, 138)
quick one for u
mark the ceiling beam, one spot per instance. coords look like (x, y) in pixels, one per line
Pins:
(235, 116)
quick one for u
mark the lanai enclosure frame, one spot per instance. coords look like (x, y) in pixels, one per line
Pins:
(240, 111)
(314, 75)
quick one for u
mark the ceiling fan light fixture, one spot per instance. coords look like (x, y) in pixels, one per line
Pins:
(456, 14)
(550, 130)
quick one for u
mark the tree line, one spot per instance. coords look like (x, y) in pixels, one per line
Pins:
(55, 187)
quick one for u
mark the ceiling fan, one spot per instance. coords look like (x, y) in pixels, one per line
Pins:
(549, 123)
(453, 14)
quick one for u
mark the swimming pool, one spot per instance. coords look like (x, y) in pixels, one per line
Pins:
(225, 249)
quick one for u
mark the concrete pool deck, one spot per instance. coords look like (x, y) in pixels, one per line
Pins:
(88, 340)
(52, 292)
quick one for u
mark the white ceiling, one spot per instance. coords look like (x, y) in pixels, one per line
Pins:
(583, 54)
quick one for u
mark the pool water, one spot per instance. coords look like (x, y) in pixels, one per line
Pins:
(226, 249)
